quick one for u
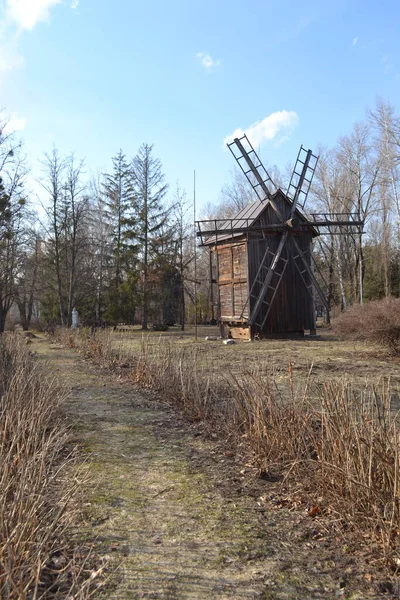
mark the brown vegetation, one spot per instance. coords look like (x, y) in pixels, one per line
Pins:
(338, 442)
(377, 322)
(38, 484)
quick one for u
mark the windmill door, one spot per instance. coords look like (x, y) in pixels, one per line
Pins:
(232, 281)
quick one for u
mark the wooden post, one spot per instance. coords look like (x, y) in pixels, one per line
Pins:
(221, 325)
(313, 330)
(211, 287)
(195, 255)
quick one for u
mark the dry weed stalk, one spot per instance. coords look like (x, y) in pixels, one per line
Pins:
(38, 482)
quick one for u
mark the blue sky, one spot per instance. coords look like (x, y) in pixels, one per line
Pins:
(95, 76)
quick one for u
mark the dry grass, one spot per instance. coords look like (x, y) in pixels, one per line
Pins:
(329, 356)
(339, 441)
(38, 484)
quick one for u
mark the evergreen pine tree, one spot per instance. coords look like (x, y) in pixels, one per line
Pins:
(151, 216)
(119, 204)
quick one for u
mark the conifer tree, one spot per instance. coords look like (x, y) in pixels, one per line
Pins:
(150, 215)
(119, 202)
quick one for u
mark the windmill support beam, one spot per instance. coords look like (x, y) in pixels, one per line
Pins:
(351, 227)
(236, 230)
(268, 279)
(337, 223)
(311, 275)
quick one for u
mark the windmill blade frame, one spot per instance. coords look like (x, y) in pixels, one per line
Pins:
(301, 178)
(258, 171)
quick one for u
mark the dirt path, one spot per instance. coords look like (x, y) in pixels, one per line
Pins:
(177, 514)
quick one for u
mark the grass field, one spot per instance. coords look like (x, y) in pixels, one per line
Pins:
(324, 356)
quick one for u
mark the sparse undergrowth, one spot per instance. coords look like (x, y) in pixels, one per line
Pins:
(39, 482)
(338, 442)
(377, 321)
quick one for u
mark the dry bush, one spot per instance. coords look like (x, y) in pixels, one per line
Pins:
(38, 483)
(94, 345)
(377, 321)
(357, 459)
(343, 446)
(340, 444)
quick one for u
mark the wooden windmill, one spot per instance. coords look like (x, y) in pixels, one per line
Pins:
(261, 260)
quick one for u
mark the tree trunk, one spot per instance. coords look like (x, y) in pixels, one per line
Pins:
(362, 270)
(341, 282)
(331, 282)
(182, 308)
(3, 315)
(25, 321)
(145, 261)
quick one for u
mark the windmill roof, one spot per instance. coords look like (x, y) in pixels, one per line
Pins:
(253, 211)
(247, 216)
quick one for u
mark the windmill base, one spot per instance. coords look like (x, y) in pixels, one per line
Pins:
(247, 332)
(239, 332)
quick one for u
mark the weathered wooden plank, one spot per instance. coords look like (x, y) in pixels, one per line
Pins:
(232, 260)
(238, 263)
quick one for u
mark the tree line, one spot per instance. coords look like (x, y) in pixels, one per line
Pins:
(111, 246)
(118, 246)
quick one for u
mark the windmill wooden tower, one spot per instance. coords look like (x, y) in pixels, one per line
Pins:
(261, 261)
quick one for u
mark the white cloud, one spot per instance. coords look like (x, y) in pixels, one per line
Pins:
(74, 4)
(20, 15)
(27, 13)
(280, 122)
(207, 61)
(14, 123)
(354, 42)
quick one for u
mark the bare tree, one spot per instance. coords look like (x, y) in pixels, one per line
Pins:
(27, 279)
(329, 197)
(52, 181)
(75, 230)
(101, 243)
(184, 252)
(13, 205)
(387, 128)
(362, 165)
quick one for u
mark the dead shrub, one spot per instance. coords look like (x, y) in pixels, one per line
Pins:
(93, 345)
(38, 483)
(377, 321)
(343, 446)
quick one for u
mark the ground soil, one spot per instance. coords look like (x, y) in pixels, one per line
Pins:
(176, 516)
